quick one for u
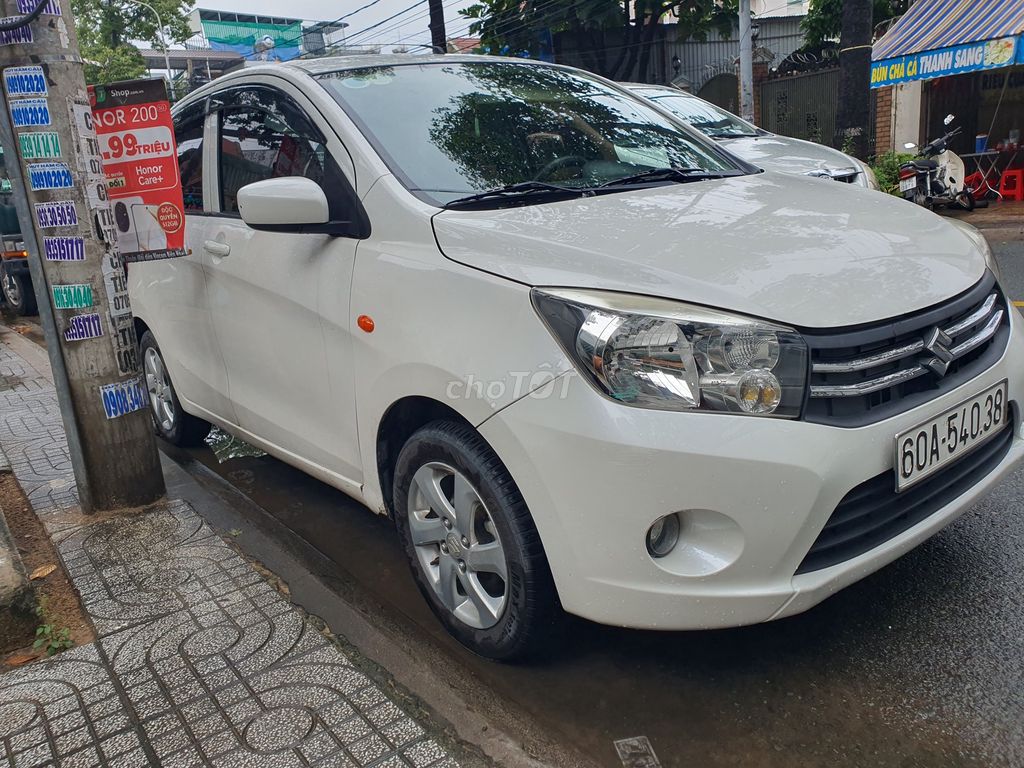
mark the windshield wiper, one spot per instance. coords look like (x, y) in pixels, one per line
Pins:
(522, 189)
(664, 174)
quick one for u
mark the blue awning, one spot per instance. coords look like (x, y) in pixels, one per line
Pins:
(933, 24)
(936, 38)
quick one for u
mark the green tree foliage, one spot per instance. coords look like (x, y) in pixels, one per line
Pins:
(106, 27)
(824, 18)
(615, 39)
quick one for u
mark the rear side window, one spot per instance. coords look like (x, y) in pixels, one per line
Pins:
(188, 135)
(264, 135)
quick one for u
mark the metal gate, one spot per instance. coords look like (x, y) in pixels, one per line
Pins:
(802, 106)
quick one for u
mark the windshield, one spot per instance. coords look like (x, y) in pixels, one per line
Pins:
(702, 115)
(451, 130)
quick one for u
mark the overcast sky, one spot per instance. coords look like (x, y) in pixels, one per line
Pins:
(410, 26)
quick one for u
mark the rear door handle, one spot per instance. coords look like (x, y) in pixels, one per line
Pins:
(215, 248)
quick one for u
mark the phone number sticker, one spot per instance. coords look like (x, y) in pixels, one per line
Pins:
(123, 398)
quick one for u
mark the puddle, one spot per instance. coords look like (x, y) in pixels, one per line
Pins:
(226, 447)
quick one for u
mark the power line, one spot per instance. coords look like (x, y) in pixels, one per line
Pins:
(404, 22)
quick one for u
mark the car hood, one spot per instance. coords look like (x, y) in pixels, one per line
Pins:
(784, 248)
(786, 155)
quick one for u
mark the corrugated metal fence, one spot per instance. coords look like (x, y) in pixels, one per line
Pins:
(700, 61)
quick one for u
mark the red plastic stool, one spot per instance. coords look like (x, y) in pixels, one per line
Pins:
(1011, 185)
(975, 182)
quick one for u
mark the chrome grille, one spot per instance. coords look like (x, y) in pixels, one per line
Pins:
(864, 375)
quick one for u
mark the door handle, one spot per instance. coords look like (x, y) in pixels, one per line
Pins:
(215, 248)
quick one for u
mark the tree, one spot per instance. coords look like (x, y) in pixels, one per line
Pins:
(824, 18)
(106, 27)
(614, 39)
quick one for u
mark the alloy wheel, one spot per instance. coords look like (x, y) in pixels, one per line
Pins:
(12, 290)
(457, 545)
(161, 399)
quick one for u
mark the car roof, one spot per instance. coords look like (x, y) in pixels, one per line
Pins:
(654, 87)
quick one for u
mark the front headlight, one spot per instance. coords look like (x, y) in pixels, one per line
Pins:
(654, 353)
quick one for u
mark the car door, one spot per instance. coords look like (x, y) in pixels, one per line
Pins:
(266, 288)
(170, 295)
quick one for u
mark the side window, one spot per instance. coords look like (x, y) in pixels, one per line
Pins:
(263, 135)
(188, 135)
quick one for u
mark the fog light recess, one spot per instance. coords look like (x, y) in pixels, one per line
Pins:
(663, 536)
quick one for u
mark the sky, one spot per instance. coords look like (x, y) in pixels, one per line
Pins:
(409, 27)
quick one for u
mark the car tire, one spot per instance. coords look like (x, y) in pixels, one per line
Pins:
(500, 610)
(170, 421)
(18, 293)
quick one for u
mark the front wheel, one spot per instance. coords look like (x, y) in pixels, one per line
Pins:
(965, 200)
(474, 551)
(169, 419)
(18, 294)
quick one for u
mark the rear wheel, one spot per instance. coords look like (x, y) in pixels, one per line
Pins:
(18, 292)
(474, 551)
(169, 420)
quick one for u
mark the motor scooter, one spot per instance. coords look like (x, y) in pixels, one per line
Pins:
(936, 176)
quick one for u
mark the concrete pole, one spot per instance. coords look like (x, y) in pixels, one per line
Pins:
(746, 63)
(67, 224)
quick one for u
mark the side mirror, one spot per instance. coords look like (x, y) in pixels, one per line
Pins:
(284, 204)
(910, 145)
(949, 119)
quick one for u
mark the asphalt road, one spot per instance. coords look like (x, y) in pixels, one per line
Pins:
(921, 664)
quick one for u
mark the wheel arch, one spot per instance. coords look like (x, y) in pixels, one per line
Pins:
(400, 421)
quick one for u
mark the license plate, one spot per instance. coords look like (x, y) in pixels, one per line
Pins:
(908, 184)
(926, 448)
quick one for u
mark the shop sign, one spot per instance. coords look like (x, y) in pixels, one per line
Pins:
(139, 157)
(926, 65)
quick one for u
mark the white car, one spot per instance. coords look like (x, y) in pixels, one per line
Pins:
(583, 357)
(755, 145)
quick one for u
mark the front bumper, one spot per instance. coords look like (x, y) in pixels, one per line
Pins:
(757, 491)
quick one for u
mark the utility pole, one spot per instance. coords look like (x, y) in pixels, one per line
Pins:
(746, 63)
(60, 194)
(438, 38)
(854, 114)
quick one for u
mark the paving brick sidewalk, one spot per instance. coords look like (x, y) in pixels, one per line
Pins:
(198, 661)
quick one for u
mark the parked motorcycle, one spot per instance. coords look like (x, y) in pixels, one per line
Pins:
(936, 176)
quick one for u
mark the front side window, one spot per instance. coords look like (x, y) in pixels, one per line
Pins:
(702, 115)
(188, 135)
(264, 135)
(450, 130)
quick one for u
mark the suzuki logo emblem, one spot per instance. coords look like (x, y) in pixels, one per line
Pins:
(938, 342)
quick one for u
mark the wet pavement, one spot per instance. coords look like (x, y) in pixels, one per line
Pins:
(921, 664)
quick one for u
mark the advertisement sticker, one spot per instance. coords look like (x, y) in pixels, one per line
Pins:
(50, 176)
(123, 397)
(136, 144)
(59, 214)
(75, 296)
(64, 248)
(21, 34)
(52, 7)
(25, 81)
(26, 113)
(44, 145)
(82, 327)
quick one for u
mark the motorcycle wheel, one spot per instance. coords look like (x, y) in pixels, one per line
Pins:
(965, 200)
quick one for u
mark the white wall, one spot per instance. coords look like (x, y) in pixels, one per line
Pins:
(907, 114)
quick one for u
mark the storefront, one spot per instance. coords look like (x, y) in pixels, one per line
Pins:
(959, 57)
